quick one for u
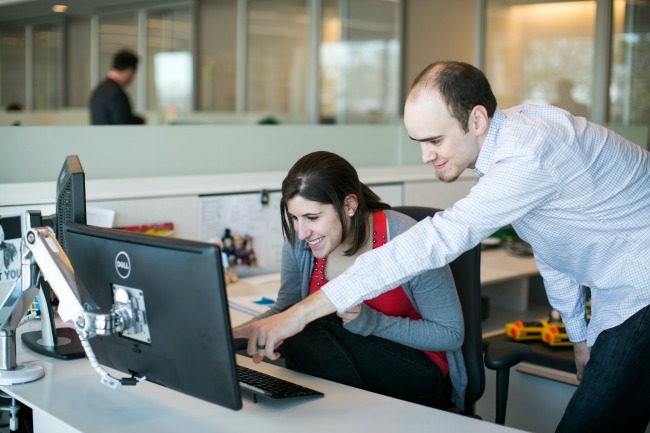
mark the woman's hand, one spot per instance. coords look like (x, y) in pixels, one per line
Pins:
(350, 314)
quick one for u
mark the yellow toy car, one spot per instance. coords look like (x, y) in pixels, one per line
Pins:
(554, 334)
(524, 330)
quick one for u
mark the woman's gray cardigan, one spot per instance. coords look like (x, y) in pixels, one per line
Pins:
(432, 293)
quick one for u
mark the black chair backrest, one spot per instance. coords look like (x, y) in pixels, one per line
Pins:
(466, 270)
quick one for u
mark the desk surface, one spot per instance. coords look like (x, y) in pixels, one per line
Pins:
(497, 265)
(71, 398)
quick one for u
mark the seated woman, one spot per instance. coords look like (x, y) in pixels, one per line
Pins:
(404, 343)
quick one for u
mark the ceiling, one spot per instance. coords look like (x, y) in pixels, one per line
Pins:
(19, 10)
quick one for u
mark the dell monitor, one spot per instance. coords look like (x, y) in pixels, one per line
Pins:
(62, 343)
(179, 287)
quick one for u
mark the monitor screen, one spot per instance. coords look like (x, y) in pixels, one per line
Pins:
(188, 345)
(70, 197)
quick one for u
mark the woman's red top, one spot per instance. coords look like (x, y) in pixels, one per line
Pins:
(392, 303)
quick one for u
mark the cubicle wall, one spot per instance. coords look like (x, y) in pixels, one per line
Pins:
(198, 177)
(202, 207)
(34, 154)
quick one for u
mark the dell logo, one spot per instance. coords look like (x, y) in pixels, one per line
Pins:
(123, 264)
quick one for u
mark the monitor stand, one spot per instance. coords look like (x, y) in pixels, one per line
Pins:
(61, 343)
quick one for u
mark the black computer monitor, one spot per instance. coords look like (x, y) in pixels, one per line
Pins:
(70, 206)
(70, 197)
(188, 346)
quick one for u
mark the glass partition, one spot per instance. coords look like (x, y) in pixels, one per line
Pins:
(359, 61)
(276, 53)
(629, 89)
(13, 67)
(47, 78)
(116, 32)
(168, 31)
(541, 52)
(299, 61)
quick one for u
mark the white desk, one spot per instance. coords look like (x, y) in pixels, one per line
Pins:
(505, 278)
(70, 398)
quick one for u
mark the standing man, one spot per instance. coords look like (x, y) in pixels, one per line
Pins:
(109, 104)
(574, 190)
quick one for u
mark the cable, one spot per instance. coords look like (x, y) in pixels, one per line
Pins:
(106, 378)
(28, 318)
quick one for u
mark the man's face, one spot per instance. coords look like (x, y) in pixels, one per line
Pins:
(443, 142)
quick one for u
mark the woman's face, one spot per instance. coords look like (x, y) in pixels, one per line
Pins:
(316, 223)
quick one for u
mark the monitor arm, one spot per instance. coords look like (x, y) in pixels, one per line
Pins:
(42, 256)
(124, 318)
(46, 255)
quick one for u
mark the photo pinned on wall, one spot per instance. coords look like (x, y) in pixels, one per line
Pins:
(10, 238)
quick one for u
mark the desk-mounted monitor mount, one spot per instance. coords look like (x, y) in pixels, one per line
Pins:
(44, 260)
(61, 342)
(70, 205)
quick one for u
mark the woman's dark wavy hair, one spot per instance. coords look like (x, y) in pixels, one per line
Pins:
(461, 85)
(327, 178)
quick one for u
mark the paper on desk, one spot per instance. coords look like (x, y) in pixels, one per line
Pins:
(253, 305)
(97, 216)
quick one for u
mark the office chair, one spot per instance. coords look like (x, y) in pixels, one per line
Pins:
(499, 356)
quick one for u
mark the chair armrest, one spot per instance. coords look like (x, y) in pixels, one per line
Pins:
(502, 355)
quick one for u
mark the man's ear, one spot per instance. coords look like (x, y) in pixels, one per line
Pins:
(479, 120)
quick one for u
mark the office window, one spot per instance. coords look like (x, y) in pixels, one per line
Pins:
(47, 80)
(328, 61)
(541, 52)
(360, 61)
(629, 89)
(13, 66)
(169, 31)
(217, 53)
(165, 30)
(277, 34)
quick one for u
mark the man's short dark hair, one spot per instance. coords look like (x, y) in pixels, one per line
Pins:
(125, 59)
(461, 85)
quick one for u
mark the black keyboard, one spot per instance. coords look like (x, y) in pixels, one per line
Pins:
(271, 386)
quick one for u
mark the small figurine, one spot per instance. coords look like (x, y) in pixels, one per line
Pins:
(229, 272)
